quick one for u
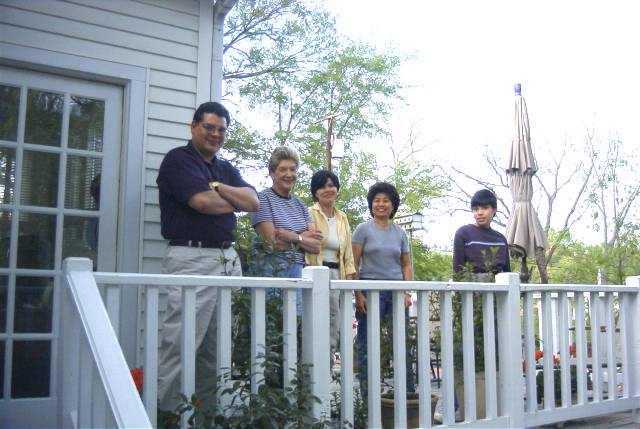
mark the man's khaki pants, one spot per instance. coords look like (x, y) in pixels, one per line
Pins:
(193, 261)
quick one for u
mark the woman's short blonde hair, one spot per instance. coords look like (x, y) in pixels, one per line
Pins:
(282, 153)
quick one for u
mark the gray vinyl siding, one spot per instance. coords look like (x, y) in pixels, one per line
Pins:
(160, 35)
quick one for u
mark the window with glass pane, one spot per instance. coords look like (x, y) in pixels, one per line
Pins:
(34, 296)
(44, 118)
(5, 237)
(4, 286)
(36, 238)
(2, 348)
(9, 104)
(80, 237)
(7, 174)
(86, 123)
(31, 369)
(82, 188)
(39, 178)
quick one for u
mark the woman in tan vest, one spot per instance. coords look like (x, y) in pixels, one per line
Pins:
(335, 248)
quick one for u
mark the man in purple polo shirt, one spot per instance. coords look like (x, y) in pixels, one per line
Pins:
(199, 194)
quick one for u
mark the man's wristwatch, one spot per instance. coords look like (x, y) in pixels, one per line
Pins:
(214, 185)
(299, 238)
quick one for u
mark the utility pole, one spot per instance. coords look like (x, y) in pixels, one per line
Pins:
(329, 146)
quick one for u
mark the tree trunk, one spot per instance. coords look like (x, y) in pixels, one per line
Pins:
(541, 262)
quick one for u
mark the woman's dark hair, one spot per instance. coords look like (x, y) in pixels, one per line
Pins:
(384, 188)
(211, 107)
(484, 197)
(320, 178)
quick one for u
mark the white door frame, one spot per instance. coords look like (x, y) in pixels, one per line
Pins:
(134, 80)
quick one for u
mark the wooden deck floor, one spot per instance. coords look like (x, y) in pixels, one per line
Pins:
(613, 421)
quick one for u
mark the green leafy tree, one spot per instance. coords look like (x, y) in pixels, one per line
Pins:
(287, 66)
(430, 264)
(613, 196)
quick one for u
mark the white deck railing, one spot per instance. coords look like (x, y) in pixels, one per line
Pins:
(96, 386)
(510, 392)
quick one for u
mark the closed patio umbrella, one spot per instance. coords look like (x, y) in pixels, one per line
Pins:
(524, 232)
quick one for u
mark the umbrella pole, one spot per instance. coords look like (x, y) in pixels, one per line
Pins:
(525, 274)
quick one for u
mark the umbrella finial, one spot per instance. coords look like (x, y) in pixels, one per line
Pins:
(518, 89)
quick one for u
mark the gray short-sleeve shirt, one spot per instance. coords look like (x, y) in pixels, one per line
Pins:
(382, 249)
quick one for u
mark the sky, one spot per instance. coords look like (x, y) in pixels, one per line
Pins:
(577, 63)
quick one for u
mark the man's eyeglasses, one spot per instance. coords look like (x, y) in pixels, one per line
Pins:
(212, 128)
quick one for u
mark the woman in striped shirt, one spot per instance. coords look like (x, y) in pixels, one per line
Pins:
(283, 222)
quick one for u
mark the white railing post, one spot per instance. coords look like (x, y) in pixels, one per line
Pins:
(446, 346)
(223, 341)
(529, 352)
(69, 356)
(290, 336)
(546, 321)
(424, 358)
(315, 336)
(489, 331)
(188, 346)
(510, 350)
(150, 385)
(563, 341)
(399, 360)
(258, 338)
(100, 358)
(596, 362)
(581, 350)
(630, 323)
(468, 357)
(374, 414)
(346, 355)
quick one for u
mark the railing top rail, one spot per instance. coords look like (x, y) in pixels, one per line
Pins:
(577, 288)
(416, 285)
(182, 280)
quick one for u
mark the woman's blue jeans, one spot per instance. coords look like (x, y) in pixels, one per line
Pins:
(386, 310)
(279, 265)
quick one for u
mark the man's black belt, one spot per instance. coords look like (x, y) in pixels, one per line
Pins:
(332, 265)
(201, 244)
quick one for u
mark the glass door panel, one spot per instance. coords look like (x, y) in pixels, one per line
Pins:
(2, 367)
(33, 304)
(36, 241)
(4, 286)
(86, 123)
(30, 376)
(5, 237)
(7, 174)
(9, 105)
(82, 187)
(59, 148)
(44, 118)
(80, 237)
(39, 178)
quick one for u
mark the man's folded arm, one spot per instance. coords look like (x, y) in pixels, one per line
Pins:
(226, 199)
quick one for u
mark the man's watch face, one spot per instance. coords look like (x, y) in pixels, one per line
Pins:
(214, 185)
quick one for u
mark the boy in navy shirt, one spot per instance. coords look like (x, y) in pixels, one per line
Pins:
(476, 247)
(479, 253)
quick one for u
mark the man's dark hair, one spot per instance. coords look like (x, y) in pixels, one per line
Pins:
(384, 188)
(211, 107)
(320, 178)
(484, 197)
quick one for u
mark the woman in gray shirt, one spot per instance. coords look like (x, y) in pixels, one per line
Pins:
(380, 252)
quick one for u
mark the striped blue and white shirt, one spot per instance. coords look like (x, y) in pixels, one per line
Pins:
(485, 249)
(288, 213)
